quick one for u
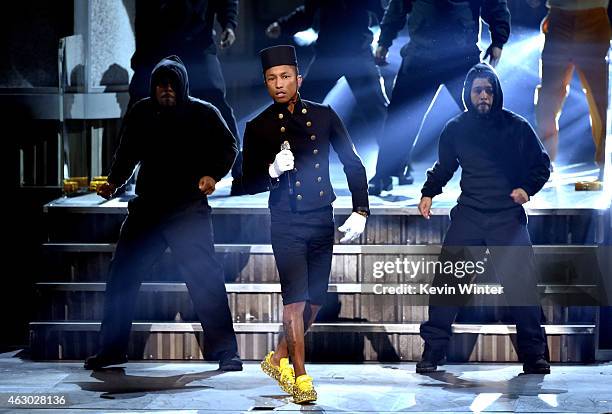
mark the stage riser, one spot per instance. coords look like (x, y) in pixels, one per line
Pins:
(321, 347)
(267, 307)
(381, 229)
(346, 268)
(349, 266)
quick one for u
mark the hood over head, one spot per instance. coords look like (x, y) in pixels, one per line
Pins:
(171, 69)
(483, 70)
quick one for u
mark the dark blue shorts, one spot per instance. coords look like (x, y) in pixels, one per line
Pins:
(303, 245)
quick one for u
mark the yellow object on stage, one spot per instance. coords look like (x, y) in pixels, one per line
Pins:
(303, 390)
(588, 186)
(283, 374)
(71, 186)
(94, 184)
(81, 181)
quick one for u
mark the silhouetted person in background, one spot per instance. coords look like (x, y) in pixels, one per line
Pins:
(184, 148)
(577, 37)
(343, 48)
(185, 28)
(442, 48)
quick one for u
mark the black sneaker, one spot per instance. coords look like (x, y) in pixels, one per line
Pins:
(404, 176)
(102, 360)
(406, 179)
(536, 365)
(378, 185)
(231, 362)
(429, 361)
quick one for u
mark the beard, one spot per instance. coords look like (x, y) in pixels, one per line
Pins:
(483, 108)
(167, 101)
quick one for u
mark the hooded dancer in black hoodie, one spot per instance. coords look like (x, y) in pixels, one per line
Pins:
(503, 164)
(182, 144)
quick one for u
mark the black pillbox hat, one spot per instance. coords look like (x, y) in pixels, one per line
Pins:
(277, 56)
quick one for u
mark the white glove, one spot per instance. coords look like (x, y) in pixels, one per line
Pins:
(282, 162)
(353, 227)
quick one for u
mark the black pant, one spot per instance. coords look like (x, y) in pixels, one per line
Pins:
(362, 76)
(144, 238)
(505, 235)
(416, 84)
(206, 82)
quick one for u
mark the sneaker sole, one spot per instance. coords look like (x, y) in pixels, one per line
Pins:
(305, 398)
(231, 368)
(274, 373)
(537, 371)
(270, 370)
(426, 370)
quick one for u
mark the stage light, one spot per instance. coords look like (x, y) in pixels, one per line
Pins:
(306, 37)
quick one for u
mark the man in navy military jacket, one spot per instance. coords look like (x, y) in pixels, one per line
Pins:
(286, 152)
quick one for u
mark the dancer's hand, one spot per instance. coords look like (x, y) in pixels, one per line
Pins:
(494, 54)
(106, 190)
(353, 227)
(207, 185)
(228, 37)
(282, 162)
(380, 55)
(425, 207)
(519, 196)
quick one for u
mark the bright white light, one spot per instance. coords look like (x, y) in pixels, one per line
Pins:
(550, 399)
(484, 400)
(376, 35)
(306, 37)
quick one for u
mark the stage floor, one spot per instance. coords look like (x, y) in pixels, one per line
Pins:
(354, 388)
(557, 197)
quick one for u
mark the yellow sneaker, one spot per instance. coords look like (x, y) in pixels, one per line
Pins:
(283, 374)
(271, 370)
(287, 376)
(303, 390)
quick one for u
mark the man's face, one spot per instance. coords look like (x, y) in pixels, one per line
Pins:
(282, 82)
(482, 95)
(165, 94)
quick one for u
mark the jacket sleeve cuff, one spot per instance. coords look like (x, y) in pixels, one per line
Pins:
(425, 192)
(362, 210)
(528, 189)
(384, 41)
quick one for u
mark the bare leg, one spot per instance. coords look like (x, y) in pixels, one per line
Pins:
(309, 315)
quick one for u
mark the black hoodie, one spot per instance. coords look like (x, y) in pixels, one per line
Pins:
(174, 146)
(498, 152)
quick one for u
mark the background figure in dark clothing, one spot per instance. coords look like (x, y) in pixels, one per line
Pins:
(503, 164)
(442, 48)
(343, 48)
(185, 28)
(183, 147)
